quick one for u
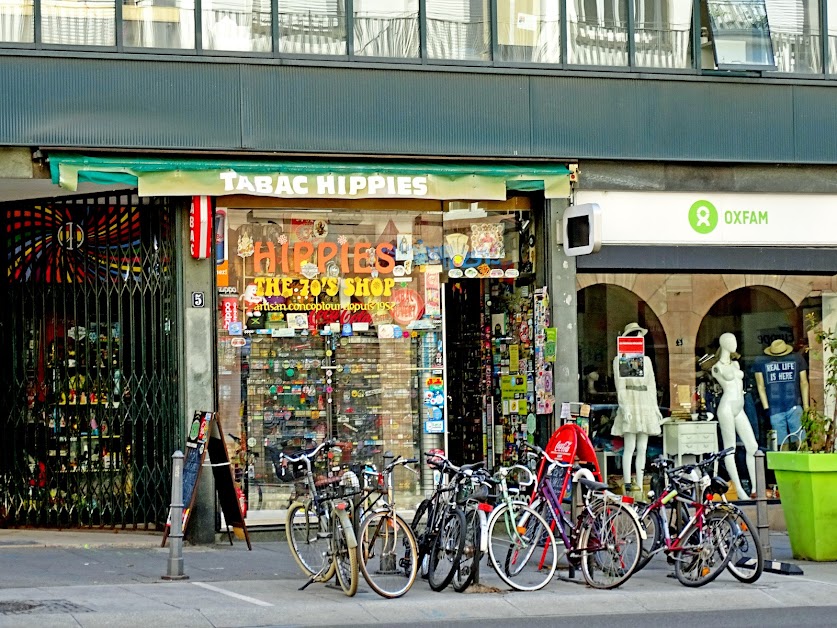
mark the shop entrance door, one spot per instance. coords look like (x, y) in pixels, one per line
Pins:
(491, 391)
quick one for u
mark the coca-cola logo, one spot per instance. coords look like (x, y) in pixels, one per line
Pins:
(562, 447)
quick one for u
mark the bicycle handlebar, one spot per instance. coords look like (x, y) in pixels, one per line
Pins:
(709, 459)
(306, 456)
(546, 456)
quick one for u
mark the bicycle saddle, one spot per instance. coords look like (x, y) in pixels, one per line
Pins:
(473, 466)
(592, 485)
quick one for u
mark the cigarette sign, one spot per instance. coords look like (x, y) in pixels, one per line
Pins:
(630, 345)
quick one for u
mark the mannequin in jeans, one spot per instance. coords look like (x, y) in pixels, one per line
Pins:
(638, 415)
(730, 412)
(782, 382)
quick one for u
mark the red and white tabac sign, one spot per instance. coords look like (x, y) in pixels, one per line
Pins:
(200, 236)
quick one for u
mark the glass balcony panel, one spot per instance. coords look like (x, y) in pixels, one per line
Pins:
(158, 24)
(662, 32)
(316, 27)
(78, 22)
(386, 28)
(236, 25)
(795, 33)
(17, 21)
(529, 31)
(598, 32)
(458, 29)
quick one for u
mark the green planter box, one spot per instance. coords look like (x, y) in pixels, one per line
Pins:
(808, 490)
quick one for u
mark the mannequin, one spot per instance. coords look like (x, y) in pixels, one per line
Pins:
(782, 382)
(638, 415)
(731, 416)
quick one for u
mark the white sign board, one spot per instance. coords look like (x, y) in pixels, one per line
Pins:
(694, 218)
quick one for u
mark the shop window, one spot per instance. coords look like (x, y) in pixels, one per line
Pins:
(764, 328)
(662, 31)
(78, 22)
(315, 27)
(159, 24)
(598, 32)
(236, 25)
(832, 36)
(386, 28)
(17, 21)
(529, 31)
(781, 35)
(458, 30)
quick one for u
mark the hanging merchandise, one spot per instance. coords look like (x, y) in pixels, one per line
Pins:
(544, 391)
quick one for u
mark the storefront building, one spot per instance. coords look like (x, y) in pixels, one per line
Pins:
(756, 265)
(392, 308)
(136, 109)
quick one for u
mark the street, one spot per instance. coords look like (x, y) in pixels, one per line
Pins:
(105, 579)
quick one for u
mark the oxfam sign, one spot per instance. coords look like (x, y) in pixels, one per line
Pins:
(703, 216)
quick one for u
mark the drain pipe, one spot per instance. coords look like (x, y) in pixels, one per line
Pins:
(175, 563)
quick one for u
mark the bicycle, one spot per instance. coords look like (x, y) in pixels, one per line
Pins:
(606, 538)
(246, 477)
(740, 539)
(699, 550)
(509, 532)
(388, 549)
(439, 522)
(319, 529)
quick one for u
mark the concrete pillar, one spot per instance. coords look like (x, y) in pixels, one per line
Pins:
(197, 367)
(561, 279)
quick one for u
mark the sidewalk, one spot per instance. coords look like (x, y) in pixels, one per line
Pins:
(106, 578)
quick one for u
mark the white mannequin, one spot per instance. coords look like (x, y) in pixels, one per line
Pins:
(731, 416)
(638, 415)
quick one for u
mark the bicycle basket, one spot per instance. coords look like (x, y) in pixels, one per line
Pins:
(286, 472)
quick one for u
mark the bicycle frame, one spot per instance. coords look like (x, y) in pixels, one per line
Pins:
(676, 544)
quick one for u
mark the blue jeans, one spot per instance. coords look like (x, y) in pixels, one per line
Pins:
(787, 423)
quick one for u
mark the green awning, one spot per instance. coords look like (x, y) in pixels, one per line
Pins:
(311, 179)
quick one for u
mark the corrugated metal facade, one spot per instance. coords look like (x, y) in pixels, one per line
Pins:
(189, 106)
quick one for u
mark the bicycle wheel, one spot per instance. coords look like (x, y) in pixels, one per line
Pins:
(702, 557)
(419, 525)
(447, 549)
(746, 561)
(521, 547)
(308, 546)
(388, 554)
(471, 555)
(344, 558)
(652, 522)
(610, 544)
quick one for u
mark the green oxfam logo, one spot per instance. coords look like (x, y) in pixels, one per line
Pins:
(703, 216)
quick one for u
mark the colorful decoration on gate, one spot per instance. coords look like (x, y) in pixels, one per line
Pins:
(73, 244)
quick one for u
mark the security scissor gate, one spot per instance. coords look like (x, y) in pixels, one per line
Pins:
(88, 362)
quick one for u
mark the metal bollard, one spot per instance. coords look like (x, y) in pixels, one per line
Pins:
(762, 519)
(175, 563)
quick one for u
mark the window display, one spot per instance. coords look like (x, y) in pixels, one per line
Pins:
(738, 348)
(333, 323)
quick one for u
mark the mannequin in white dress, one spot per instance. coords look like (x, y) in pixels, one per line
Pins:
(731, 416)
(638, 416)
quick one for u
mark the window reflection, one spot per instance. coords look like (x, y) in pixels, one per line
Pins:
(597, 32)
(158, 23)
(832, 36)
(795, 33)
(242, 25)
(662, 31)
(312, 27)
(458, 29)
(529, 31)
(17, 21)
(78, 22)
(740, 34)
(386, 28)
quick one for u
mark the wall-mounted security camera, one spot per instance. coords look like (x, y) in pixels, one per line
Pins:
(582, 229)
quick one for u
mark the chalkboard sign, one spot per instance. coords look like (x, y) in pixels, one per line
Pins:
(205, 436)
(193, 460)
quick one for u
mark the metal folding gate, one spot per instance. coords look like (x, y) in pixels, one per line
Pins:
(88, 362)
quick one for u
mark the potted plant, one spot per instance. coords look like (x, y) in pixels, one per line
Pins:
(807, 478)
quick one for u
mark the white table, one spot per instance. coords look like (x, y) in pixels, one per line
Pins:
(690, 437)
